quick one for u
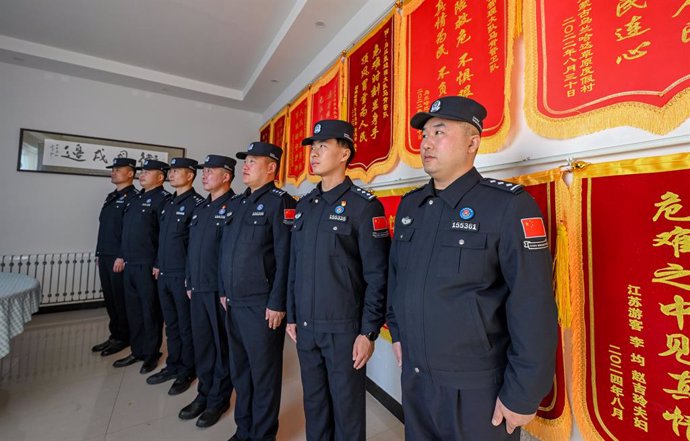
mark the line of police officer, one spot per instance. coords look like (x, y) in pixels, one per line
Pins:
(239, 271)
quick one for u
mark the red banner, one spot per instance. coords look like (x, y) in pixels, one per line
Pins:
(299, 127)
(278, 126)
(632, 365)
(370, 102)
(265, 132)
(594, 65)
(457, 47)
(326, 100)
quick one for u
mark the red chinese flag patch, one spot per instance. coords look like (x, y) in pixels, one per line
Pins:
(379, 223)
(533, 227)
(289, 214)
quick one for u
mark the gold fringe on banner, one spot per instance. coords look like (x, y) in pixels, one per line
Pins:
(518, 18)
(385, 166)
(656, 120)
(561, 278)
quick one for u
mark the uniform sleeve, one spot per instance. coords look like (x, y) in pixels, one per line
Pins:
(392, 284)
(277, 298)
(221, 284)
(530, 308)
(290, 298)
(374, 244)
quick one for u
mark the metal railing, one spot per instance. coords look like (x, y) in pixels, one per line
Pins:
(65, 278)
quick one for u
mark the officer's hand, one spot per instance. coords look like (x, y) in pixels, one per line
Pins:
(119, 265)
(291, 330)
(224, 302)
(156, 272)
(513, 420)
(397, 351)
(274, 318)
(189, 294)
(361, 351)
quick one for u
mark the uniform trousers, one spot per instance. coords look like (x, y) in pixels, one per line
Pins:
(114, 297)
(438, 413)
(210, 351)
(256, 364)
(334, 391)
(143, 311)
(178, 324)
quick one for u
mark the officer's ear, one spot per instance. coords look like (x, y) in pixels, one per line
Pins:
(475, 139)
(272, 167)
(131, 173)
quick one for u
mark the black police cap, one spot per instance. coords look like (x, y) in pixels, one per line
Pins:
(457, 108)
(153, 164)
(123, 162)
(183, 163)
(219, 161)
(258, 148)
(331, 129)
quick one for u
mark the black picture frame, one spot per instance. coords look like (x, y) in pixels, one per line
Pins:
(42, 151)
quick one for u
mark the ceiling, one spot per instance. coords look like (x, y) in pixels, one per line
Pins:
(234, 53)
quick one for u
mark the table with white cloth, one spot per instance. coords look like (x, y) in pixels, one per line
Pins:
(20, 296)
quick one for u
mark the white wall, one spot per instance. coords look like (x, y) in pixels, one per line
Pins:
(43, 212)
(525, 152)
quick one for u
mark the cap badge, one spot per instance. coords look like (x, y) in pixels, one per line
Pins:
(173, 161)
(251, 146)
(207, 159)
(339, 209)
(436, 106)
(146, 162)
(317, 129)
(466, 213)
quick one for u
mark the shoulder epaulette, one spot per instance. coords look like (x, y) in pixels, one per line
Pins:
(414, 190)
(362, 193)
(314, 190)
(165, 193)
(502, 185)
(278, 192)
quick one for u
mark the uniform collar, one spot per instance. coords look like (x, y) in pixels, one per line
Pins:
(221, 199)
(178, 198)
(125, 190)
(153, 190)
(455, 191)
(254, 195)
(336, 192)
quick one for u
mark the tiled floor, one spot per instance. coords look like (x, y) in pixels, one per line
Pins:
(52, 388)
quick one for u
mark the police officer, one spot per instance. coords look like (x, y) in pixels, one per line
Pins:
(471, 308)
(139, 247)
(254, 262)
(208, 315)
(170, 273)
(110, 263)
(336, 287)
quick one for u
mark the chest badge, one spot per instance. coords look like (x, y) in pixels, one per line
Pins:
(222, 210)
(182, 208)
(259, 207)
(339, 209)
(466, 213)
(406, 220)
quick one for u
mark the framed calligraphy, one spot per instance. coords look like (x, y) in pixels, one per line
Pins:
(52, 152)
